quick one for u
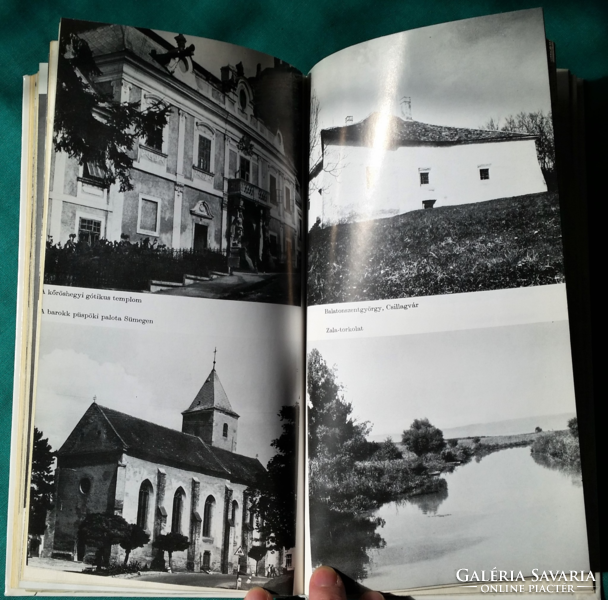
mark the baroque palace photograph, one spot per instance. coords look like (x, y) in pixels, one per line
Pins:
(219, 180)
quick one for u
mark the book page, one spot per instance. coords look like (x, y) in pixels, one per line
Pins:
(169, 365)
(442, 432)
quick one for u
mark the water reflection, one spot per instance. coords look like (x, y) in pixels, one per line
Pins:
(343, 539)
(571, 470)
(430, 503)
(401, 546)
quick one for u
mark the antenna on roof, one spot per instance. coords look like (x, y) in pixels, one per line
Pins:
(214, 352)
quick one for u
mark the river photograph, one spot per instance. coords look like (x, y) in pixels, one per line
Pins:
(434, 452)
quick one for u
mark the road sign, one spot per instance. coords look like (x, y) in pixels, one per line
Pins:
(239, 552)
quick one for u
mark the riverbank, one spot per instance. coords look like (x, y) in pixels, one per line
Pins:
(482, 445)
(559, 446)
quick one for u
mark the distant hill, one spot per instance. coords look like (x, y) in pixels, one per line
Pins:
(508, 427)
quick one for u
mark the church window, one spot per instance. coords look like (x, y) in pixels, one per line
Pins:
(233, 513)
(208, 516)
(143, 504)
(85, 485)
(178, 509)
(225, 430)
(206, 560)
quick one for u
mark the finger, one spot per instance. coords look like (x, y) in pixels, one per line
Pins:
(258, 593)
(372, 596)
(325, 584)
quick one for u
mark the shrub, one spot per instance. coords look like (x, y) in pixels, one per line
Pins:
(422, 437)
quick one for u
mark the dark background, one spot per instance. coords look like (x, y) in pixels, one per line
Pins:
(301, 33)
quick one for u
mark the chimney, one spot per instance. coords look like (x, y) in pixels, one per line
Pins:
(406, 108)
(348, 120)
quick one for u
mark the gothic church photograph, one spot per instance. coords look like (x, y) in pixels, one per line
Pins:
(164, 459)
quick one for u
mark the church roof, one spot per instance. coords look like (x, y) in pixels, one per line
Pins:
(103, 430)
(392, 132)
(243, 469)
(211, 395)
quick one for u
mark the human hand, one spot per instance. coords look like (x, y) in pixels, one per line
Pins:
(325, 584)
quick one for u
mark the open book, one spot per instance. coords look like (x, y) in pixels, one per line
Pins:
(270, 321)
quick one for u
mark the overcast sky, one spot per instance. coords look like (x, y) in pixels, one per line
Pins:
(455, 378)
(459, 74)
(156, 375)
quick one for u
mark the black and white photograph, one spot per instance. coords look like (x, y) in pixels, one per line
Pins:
(176, 167)
(433, 164)
(165, 458)
(434, 452)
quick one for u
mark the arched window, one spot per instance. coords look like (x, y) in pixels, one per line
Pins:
(208, 516)
(143, 504)
(178, 509)
(233, 513)
(225, 432)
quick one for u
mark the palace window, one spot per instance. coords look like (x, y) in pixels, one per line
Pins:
(288, 206)
(273, 190)
(204, 154)
(154, 139)
(143, 504)
(89, 230)
(148, 221)
(208, 516)
(178, 509)
(244, 168)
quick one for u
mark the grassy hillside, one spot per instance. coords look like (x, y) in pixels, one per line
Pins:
(505, 243)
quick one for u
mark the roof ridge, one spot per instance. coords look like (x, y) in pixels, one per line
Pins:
(101, 409)
(177, 431)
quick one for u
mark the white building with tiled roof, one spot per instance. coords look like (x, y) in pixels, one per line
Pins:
(386, 165)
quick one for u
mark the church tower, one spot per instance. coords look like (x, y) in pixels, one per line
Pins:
(210, 416)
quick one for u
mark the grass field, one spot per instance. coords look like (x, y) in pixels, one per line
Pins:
(505, 243)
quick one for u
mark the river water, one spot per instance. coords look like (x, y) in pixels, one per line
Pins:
(506, 510)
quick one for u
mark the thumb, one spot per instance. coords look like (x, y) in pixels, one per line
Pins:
(325, 584)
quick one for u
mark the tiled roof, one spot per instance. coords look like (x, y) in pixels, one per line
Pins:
(211, 395)
(392, 132)
(103, 429)
(243, 469)
(122, 432)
